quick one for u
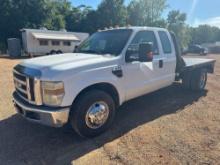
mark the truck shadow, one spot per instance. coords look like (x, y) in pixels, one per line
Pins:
(22, 142)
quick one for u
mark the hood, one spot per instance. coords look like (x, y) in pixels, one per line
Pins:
(74, 62)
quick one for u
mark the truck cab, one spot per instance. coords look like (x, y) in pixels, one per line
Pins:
(85, 88)
(148, 76)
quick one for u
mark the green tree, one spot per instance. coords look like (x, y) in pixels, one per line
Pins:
(146, 13)
(205, 34)
(108, 14)
(17, 14)
(176, 23)
(75, 19)
(60, 14)
(111, 13)
(56, 13)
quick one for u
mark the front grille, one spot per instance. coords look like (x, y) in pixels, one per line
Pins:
(24, 86)
(31, 85)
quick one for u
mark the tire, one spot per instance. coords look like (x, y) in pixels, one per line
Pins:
(59, 52)
(85, 106)
(30, 55)
(52, 52)
(202, 53)
(186, 81)
(198, 80)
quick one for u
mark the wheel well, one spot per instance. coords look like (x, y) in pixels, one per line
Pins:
(106, 87)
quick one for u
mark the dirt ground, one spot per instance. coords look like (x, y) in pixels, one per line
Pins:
(170, 126)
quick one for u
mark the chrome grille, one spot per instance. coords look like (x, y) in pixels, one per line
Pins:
(27, 87)
(21, 84)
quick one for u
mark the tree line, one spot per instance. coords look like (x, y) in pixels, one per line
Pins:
(61, 14)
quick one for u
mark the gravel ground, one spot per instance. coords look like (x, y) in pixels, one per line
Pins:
(170, 126)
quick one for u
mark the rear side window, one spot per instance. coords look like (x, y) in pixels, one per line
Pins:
(165, 42)
(66, 43)
(55, 43)
(43, 42)
(146, 36)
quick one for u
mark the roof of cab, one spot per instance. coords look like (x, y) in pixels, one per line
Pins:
(137, 28)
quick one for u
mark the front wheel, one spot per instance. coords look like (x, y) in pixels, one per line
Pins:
(93, 113)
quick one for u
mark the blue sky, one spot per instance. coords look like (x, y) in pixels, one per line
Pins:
(198, 11)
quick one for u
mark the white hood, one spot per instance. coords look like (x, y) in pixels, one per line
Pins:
(51, 66)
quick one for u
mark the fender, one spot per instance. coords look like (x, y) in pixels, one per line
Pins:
(75, 84)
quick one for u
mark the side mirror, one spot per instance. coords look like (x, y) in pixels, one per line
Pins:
(145, 52)
(132, 53)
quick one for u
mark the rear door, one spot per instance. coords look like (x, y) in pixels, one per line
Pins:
(168, 59)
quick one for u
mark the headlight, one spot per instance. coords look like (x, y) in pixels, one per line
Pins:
(53, 93)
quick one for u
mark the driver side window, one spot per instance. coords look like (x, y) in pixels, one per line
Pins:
(146, 36)
(141, 37)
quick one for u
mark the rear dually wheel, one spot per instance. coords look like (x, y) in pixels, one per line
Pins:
(195, 80)
(199, 79)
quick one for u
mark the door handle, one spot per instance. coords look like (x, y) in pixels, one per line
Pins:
(160, 63)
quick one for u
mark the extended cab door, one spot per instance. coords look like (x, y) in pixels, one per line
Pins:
(168, 59)
(144, 77)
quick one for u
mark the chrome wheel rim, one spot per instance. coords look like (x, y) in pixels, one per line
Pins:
(202, 80)
(97, 115)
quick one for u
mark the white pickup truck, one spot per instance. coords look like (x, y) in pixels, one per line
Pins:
(85, 88)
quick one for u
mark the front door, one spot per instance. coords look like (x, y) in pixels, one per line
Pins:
(144, 77)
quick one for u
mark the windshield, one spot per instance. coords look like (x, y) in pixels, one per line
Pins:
(106, 42)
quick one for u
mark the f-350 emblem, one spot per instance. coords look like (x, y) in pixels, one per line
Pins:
(117, 71)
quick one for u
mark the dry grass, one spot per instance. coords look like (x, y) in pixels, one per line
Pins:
(170, 126)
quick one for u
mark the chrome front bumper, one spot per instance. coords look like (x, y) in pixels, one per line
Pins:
(54, 117)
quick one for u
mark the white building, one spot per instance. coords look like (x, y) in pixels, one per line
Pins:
(43, 42)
